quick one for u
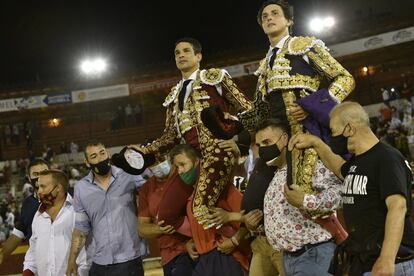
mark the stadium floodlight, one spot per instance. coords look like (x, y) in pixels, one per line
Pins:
(319, 24)
(99, 65)
(93, 67)
(329, 22)
(316, 25)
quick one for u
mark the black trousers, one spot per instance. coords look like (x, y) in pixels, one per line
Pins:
(182, 265)
(129, 268)
(215, 263)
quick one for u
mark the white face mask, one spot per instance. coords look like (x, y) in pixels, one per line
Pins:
(161, 170)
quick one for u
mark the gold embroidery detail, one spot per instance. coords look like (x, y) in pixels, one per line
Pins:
(216, 166)
(205, 197)
(212, 76)
(342, 82)
(300, 45)
(303, 161)
(279, 80)
(234, 95)
(292, 82)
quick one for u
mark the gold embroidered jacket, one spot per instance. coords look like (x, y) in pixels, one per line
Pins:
(203, 95)
(282, 77)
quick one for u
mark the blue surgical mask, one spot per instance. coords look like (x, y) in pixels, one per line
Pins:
(161, 170)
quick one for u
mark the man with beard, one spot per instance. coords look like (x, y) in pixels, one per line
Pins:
(105, 205)
(52, 227)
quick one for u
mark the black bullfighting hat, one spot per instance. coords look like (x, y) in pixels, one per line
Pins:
(132, 161)
(213, 119)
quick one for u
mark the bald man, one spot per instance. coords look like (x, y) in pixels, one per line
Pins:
(376, 195)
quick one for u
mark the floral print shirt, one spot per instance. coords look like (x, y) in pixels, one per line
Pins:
(289, 228)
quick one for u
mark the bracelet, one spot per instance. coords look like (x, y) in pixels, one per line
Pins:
(234, 241)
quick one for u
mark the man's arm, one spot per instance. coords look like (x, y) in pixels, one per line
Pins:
(192, 250)
(19, 232)
(81, 230)
(234, 95)
(78, 242)
(139, 181)
(259, 111)
(394, 228)
(150, 230)
(332, 161)
(9, 246)
(29, 264)
(342, 82)
(252, 219)
(82, 262)
(219, 216)
(146, 228)
(327, 197)
(229, 244)
(168, 138)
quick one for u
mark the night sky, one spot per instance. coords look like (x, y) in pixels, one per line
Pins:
(45, 40)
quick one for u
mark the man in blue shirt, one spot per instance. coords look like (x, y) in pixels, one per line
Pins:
(105, 204)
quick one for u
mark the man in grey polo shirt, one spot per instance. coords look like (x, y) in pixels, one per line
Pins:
(105, 204)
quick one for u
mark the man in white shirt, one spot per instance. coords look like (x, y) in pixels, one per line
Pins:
(52, 229)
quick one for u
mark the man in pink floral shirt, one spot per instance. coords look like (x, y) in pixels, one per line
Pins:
(308, 247)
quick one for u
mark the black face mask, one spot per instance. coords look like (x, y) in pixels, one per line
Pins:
(339, 143)
(268, 153)
(102, 167)
(33, 181)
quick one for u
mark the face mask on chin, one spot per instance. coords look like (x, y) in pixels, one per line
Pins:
(101, 168)
(189, 177)
(48, 199)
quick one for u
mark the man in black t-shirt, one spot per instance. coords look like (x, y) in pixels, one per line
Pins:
(23, 228)
(376, 195)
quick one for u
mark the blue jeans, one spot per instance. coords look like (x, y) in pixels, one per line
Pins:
(314, 261)
(401, 269)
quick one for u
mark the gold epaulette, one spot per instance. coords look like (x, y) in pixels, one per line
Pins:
(262, 67)
(171, 96)
(300, 45)
(212, 76)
